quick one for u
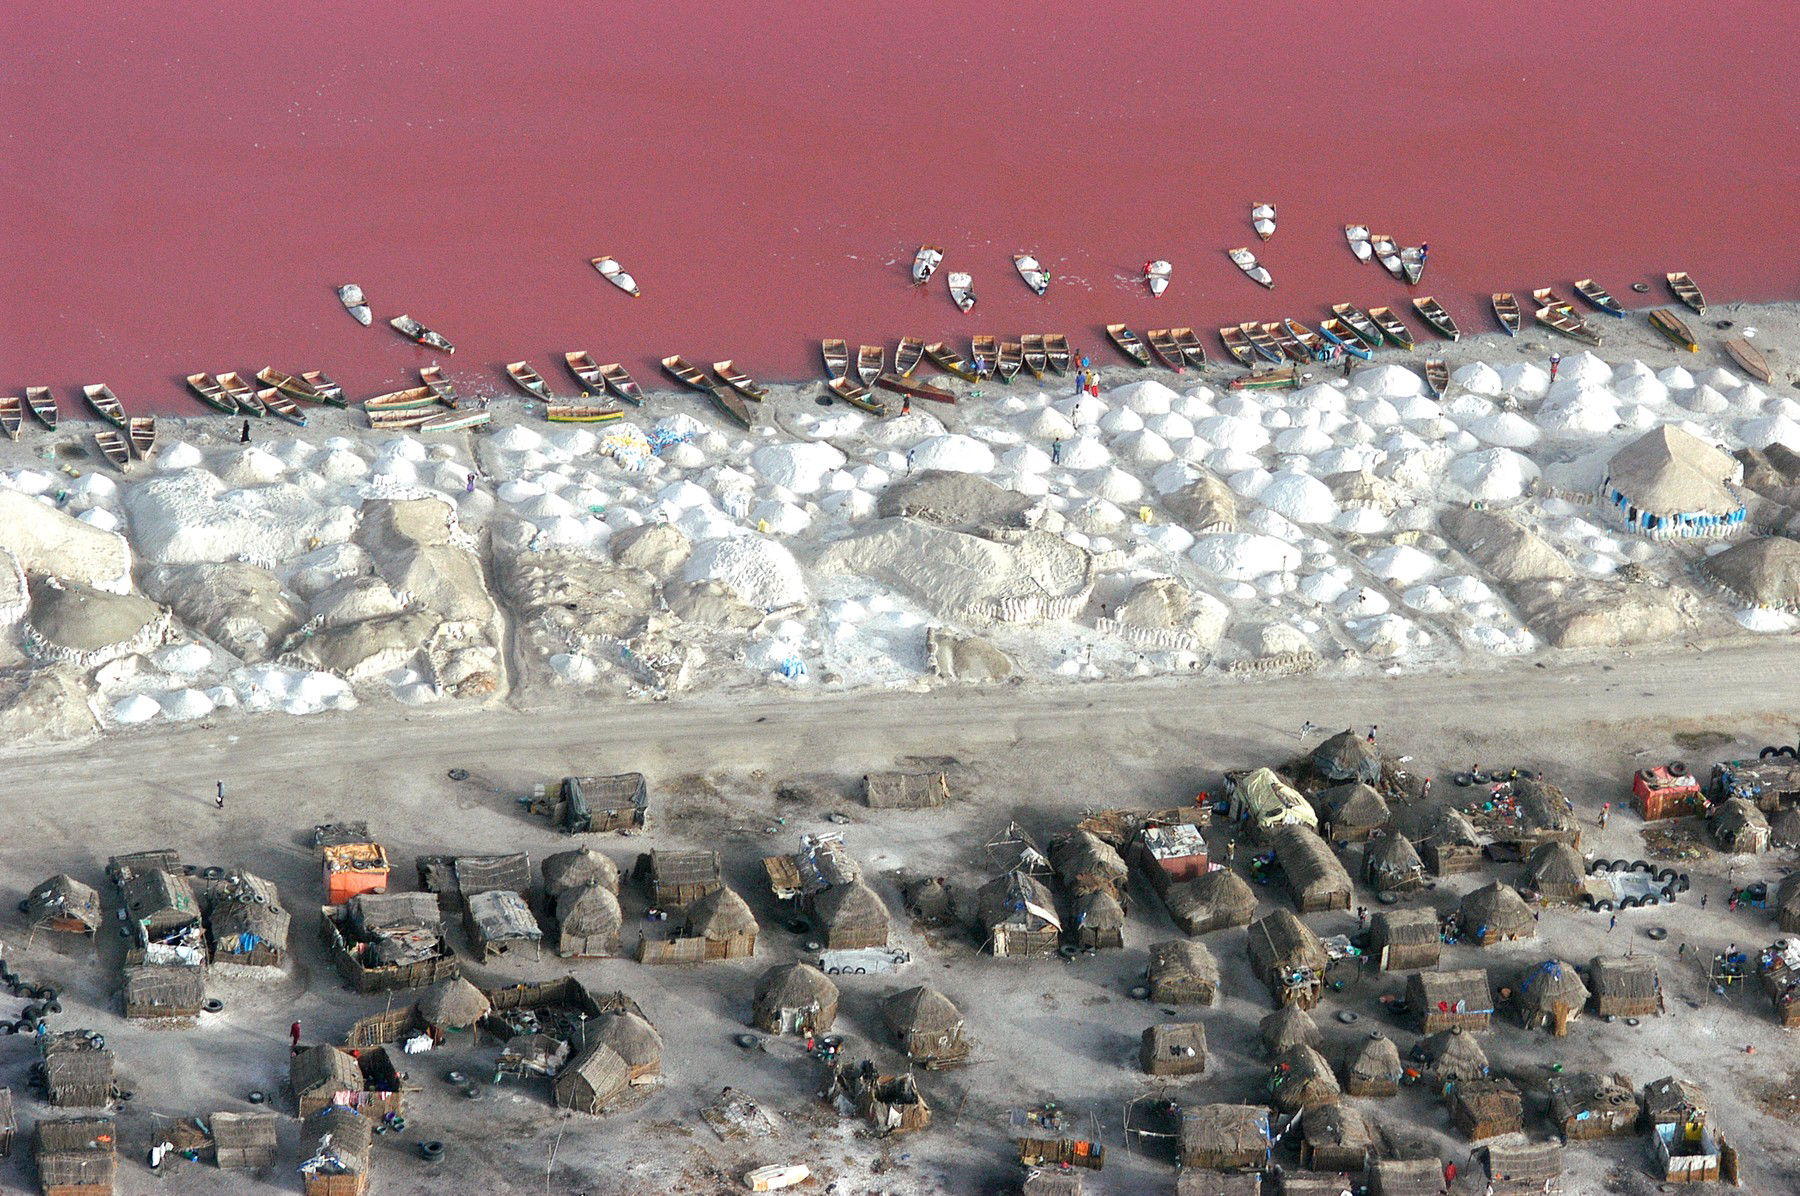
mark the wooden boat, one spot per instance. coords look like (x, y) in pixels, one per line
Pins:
(907, 355)
(1315, 344)
(105, 403)
(857, 396)
(1056, 349)
(1599, 296)
(388, 421)
(868, 363)
(1437, 375)
(837, 357)
(962, 290)
(1262, 219)
(1675, 328)
(329, 392)
(1162, 343)
(581, 413)
(1566, 322)
(433, 377)
(416, 398)
(1687, 290)
(1128, 343)
(1506, 310)
(113, 447)
(925, 264)
(1238, 345)
(351, 296)
(1388, 254)
(585, 371)
(945, 358)
(1285, 377)
(287, 384)
(1244, 260)
(282, 405)
(140, 430)
(1192, 351)
(1412, 264)
(914, 389)
(242, 394)
(1358, 237)
(1391, 327)
(528, 379)
(412, 330)
(1344, 337)
(984, 351)
(1034, 274)
(1037, 358)
(211, 393)
(1433, 313)
(1750, 359)
(42, 402)
(622, 384)
(739, 381)
(688, 374)
(1358, 321)
(1291, 348)
(1264, 344)
(614, 273)
(1547, 297)
(12, 416)
(1156, 277)
(456, 421)
(1012, 356)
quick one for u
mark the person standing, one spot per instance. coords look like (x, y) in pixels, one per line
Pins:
(1056, 451)
(219, 798)
(1605, 813)
(1555, 364)
(1371, 737)
(294, 1038)
(244, 436)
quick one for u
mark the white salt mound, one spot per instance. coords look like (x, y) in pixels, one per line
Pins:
(758, 570)
(1148, 397)
(1493, 475)
(1299, 497)
(1389, 381)
(1478, 377)
(138, 708)
(801, 468)
(957, 454)
(1238, 556)
(1770, 430)
(1402, 564)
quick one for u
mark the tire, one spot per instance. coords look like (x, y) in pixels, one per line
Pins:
(1599, 867)
(1590, 903)
(1628, 903)
(862, 971)
(458, 774)
(1347, 1016)
(833, 971)
(1665, 876)
(1657, 934)
(1642, 866)
(432, 1151)
(1678, 768)
(814, 946)
(1140, 992)
(1621, 865)
(1603, 906)
(257, 1097)
(1668, 893)
(1068, 951)
(213, 1005)
(1631, 1021)
(1682, 883)
(25, 906)
(1789, 753)
(1651, 900)
(1462, 780)
(1767, 752)
(745, 1040)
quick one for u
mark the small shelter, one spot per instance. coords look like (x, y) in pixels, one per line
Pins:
(384, 941)
(892, 1104)
(794, 998)
(64, 904)
(342, 1143)
(1406, 1177)
(1550, 994)
(1666, 791)
(1288, 958)
(1402, 939)
(567, 870)
(906, 790)
(592, 1080)
(1556, 872)
(1183, 973)
(162, 990)
(1300, 1078)
(588, 922)
(1018, 917)
(1315, 876)
(78, 1071)
(1061, 1180)
(1085, 863)
(1391, 864)
(1625, 985)
(76, 1156)
(1670, 1101)
(1486, 1108)
(244, 1141)
(850, 916)
(1288, 1028)
(1539, 814)
(500, 921)
(1451, 1057)
(1669, 483)
(1787, 904)
(1203, 1181)
(635, 1040)
(319, 1074)
(1592, 1105)
(586, 805)
(1216, 901)
(1784, 827)
(1372, 1067)
(1440, 1000)
(1099, 921)
(456, 878)
(249, 925)
(1348, 757)
(352, 866)
(930, 900)
(1767, 782)
(453, 1004)
(1173, 1049)
(1265, 802)
(1225, 1137)
(1521, 1168)
(1495, 913)
(1739, 827)
(1167, 854)
(1351, 812)
(724, 921)
(1337, 1137)
(928, 1027)
(1447, 840)
(675, 880)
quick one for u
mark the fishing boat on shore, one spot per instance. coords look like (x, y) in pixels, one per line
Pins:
(914, 389)
(945, 358)
(868, 363)
(614, 273)
(287, 384)
(1344, 337)
(1262, 219)
(1391, 327)
(1056, 349)
(1313, 342)
(581, 364)
(1244, 260)
(962, 290)
(1357, 235)
(1037, 358)
(925, 264)
(282, 406)
(1359, 322)
(739, 381)
(857, 396)
(42, 401)
(1192, 351)
(351, 296)
(1547, 297)
(528, 379)
(1238, 345)
(1687, 290)
(1128, 343)
(1034, 274)
(12, 416)
(433, 377)
(394, 420)
(327, 391)
(1750, 359)
(621, 383)
(414, 398)
(243, 395)
(140, 430)
(837, 357)
(1156, 277)
(1599, 296)
(113, 447)
(1675, 328)
(1287, 377)
(907, 355)
(984, 351)
(731, 404)
(456, 421)
(1162, 344)
(1565, 321)
(105, 403)
(1291, 348)
(1506, 310)
(1264, 344)
(412, 330)
(1437, 375)
(1433, 313)
(581, 413)
(1012, 356)
(1388, 254)
(211, 393)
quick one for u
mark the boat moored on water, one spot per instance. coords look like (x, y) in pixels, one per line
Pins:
(1262, 219)
(1388, 254)
(739, 381)
(1433, 313)
(433, 377)
(1032, 271)
(211, 393)
(283, 406)
(1687, 290)
(1246, 261)
(614, 273)
(1037, 358)
(1192, 351)
(868, 363)
(1506, 310)
(1291, 348)
(581, 364)
(962, 290)
(945, 358)
(1128, 343)
(42, 401)
(1599, 296)
(528, 379)
(1392, 327)
(1162, 343)
(243, 395)
(837, 357)
(325, 390)
(731, 404)
(351, 296)
(621, 384)
(1265, 345)
(1313, 342)
(105, 403)
(1012, 356)
(984, 351)
(413, 398)
(925, 264)
(287, 384)
(412, 330)
(907, 355)
(1359, 322)
(1057, 351)
(1238, 345)
(1547, 297)
(1344, 337)
(1357, 235)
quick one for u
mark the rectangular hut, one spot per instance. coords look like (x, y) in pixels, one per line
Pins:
(1289, 959)
(352, 868)
(76, 1156)
(1226, 1137)
(1183, 973)
(1173, 1049)
(78, 1071)
(1592, 1105)
(161, 908)
(892, 1104)
(367, 1081)
(386, 941)
(1404, 939)
(1018, 917)
(1739, 828)
(1625, 986)
(1693, 1154)
(1768, 783)
(65, 905)
(1406, 1177)
(1663, 792)
(906, 790)
(1062, 1180)
(455, 879)
(1337, 1137)
(1314, 874)
(1173, 853)
(499, 922)
(593, 805)
(244, 1141)
(246, 921)
(592, 1081)
(1448, 842)
(1486, 1108)
(1442, 1000)
(341, 1143)
(1203, 1181)
(1217, 901)
(1523, 1168)
(674, 880)
(157, 991)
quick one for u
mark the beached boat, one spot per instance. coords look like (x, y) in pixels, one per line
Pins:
(42, 402)
(1565, 321)
(1599, 296)
(945, 358)
(389, 421)
(456, 421)
(12, 416)
(581, 413)
(614, 273)
(113, 447)
(1244, 260)
(914, 388)
(433, 377)
(282, 406)
(857, 396)
(1037, 358)
(1687, 290)
(739, 381)
(1412, 264)
(1547, 297)
(1358, 321)
(105, 403)
(1162, 343)
(1287, 377)
(1388, 254)
(1264, 344)
(1262, 219)
(1192, 351)
(287, 384)
(1315, 344)
(690, 375)
(1358, 237)
(1238, 345)
(140, 430)
(907, 355)
(984, 351)
(925, 264)
(211, 393)
(1391, 326)
(1506, 310)
(413, 398)
(1128, 343)
(1291, 348)
(1034, 274)
(1437, 375)
(1433, 313)
(581, 364)
(1345, 338)
(962, 290)
(1012, 356)
(1156, 277)
(837, 357)
(351, 296)
(868, 363)
(1056, 349)
(242, 394)
(1750, 359)
(328, 392)
(1675, 328)
(412, 330)
(528, 379)
(621, 383)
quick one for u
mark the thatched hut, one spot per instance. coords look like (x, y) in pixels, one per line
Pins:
(76, 1156)
(1543, 815)
(1173, 1049)
(1225, 1137)
(635, 1040)
(1739, 828)
(1670, 1101)
(244, 1141)
(926, 1024)
(567, 870)
(1451, 1057)
(1288, 958)
(1520, 1168)
(318, 1074)
(78, 1072)
(1447, 840)
(1402, 939)
(1086, 863)
(1347, 757)
(1099, 921)
(592, 1080)
(162, 990)
(1351, 812)
(1203, 1181)
(1314, 874)
(1625, 985)
(1495, 913)
(675, 880)
(1391, 864)
(64, 904)
(1288, 1028)
(930, 900)
(1406, 1177)
(1017, 917)
(1372, 1066)
(589, 923)
(794, 998)
(1486, 1108)
(1300, 1078)
(454, 1004)
(1183, 973)
(851, 915)
(248, 923)
(724, 921)
(339, 1143)
(892, 1104)
(1550, 994)
(498, 921)
(1215, 901)
(1060, 1180)
(1556, 872)
(1592, 1105)
(1441, 1000)
(1784, 827)
(1337, 1137)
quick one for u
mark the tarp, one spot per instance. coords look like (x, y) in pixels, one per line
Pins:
(1272, 802)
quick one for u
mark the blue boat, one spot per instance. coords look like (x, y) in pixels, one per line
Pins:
(1345, 338)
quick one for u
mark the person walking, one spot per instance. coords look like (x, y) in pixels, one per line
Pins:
(469, 484)
(1555, 364)
(1056, 451)
(905, 404)
(1605, 813)
(1612, 924)
(1703, 901)
(1372, 730)
(219, 798)
(244, 436)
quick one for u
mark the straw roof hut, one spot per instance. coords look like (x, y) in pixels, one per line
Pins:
(1486, 1108)
(1203, 1181)
(1763, 572)
(453, 1004)
(1406, 1177)
(1519, 1168)
(1347, 756)
(339, 1162)
(244, 1141)
(1099, 920)
(1445, 999)
(1496, 913)
(1062, 1180)
(1337, 1137)
(567, 870)
(1401, 939)
(1543, 815)
(1452, 1056)
(1739, 827)
(1352, 811)
(927, 1025)
(1787, 903)
(1669, 482)
(159, 990)
(722, 917)
(1086, 863)
(1288, 958)
(318, 1073)
(249, 925)
(1447, 840)
(1173, 1049)
(78, 1074)
(1313, 872)
(1556, 871)
(1299, 1078)
(76, 1156)
(1391, 864)
(930, 900)
(1183, 973)
(592, 1080)
(635, 1040)
(1625, 985)
(65, 904)
(1017, 916)
(677, 879)
(794, 998)
(1372, 1066)
(1288, 1028)
(1670, 1101)
(588, 921)
(1784, 827)
(1592, 1105)
(1225, 1137)
(1215, 901)
(851, 915)
(1550, 994)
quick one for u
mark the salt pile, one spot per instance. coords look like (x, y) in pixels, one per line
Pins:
(1243, 557)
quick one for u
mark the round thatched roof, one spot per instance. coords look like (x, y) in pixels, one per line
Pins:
(635, 1039)
(1099, 911)
(571, 869)
(920, 1009)
(721, 914)
(588, 910)
(1354, 804)
(794, 986)
(1784, 828)
(1498, 908)
(1183, 961)
(1554, 865)
(1550, 983)
(1454, 1054)
(1289, 1027)
(842, 907)
(1015, 899)
(1221, 890)
(1668, 471)
(1374, 1057)
(1347, 756)
(453, 1005)
(1393, 853)
(1763, 572)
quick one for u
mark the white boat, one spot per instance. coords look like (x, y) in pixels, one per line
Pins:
(1262, 219)
(1358, 237)
(351, 296)
(776, 1176)
(1388, 254)
(925, 263)
(1034, 274)
(1244, 260)
(614, 273)
(1156, 276)
(962, 290)
(1412, 264)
